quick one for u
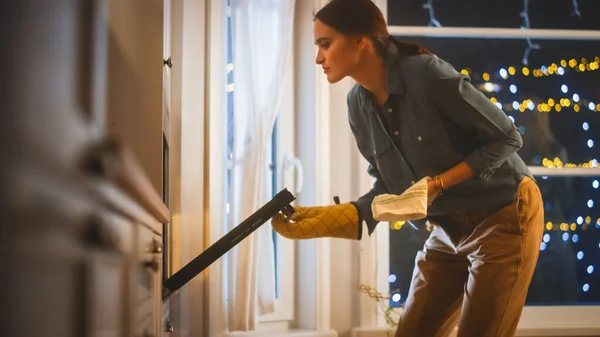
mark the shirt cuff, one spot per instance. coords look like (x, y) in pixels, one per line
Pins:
(481, 170)
(365, 213)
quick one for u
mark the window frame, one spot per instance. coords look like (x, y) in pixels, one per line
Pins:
(565, 320)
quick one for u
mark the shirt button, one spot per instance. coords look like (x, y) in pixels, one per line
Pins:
(396, 133)
(390, 110)
(420, 138)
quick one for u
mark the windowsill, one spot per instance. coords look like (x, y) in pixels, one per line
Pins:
(524, 332)
(288, 333)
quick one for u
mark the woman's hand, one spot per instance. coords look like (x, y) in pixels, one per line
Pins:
(438, 184)
(433, 191)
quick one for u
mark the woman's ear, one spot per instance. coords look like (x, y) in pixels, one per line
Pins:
(361, 42)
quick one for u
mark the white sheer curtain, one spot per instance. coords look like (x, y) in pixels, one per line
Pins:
(262, 30)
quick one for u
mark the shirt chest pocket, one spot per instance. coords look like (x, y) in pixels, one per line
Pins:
(391, 166)
(386, 159)
(382, 152)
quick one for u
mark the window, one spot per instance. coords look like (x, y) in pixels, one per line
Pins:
(281, 144)
(553, 100)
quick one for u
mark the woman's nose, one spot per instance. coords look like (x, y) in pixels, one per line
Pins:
(319, 59)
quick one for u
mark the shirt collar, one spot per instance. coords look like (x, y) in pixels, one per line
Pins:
(393, 82)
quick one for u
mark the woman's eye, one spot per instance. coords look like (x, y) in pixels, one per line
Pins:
(325, 45)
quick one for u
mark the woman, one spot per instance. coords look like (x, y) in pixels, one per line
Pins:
(414, 116)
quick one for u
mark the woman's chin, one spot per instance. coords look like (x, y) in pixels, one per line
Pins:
(333, 79)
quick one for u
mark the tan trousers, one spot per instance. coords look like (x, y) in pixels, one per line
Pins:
(475, 270)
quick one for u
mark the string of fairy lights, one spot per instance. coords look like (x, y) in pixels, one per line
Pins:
(554, 69)
(557, 163)
(570, 100)
(584, 223)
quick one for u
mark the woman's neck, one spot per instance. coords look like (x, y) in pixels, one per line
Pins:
(370, 73)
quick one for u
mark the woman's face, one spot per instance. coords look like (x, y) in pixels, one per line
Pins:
(337, 54)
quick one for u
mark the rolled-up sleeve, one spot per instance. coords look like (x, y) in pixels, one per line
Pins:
(457, 99)
(363, 204)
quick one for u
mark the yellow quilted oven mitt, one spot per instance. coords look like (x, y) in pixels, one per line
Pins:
(336, 221)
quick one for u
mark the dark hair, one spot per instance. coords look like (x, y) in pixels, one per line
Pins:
(363, 17)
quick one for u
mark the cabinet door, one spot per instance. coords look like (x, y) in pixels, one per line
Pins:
(49, 86)
(106, 295)
(44, 292)
(63, 278)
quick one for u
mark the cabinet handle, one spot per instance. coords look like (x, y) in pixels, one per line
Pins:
(101, 159)
(156, 247)
(98, 234)
(153, 265)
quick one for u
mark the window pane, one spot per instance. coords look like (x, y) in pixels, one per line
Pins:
(570, 248)
(498, 14)
(559, 122)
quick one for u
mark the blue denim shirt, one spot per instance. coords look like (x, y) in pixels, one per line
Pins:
(441, 120)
